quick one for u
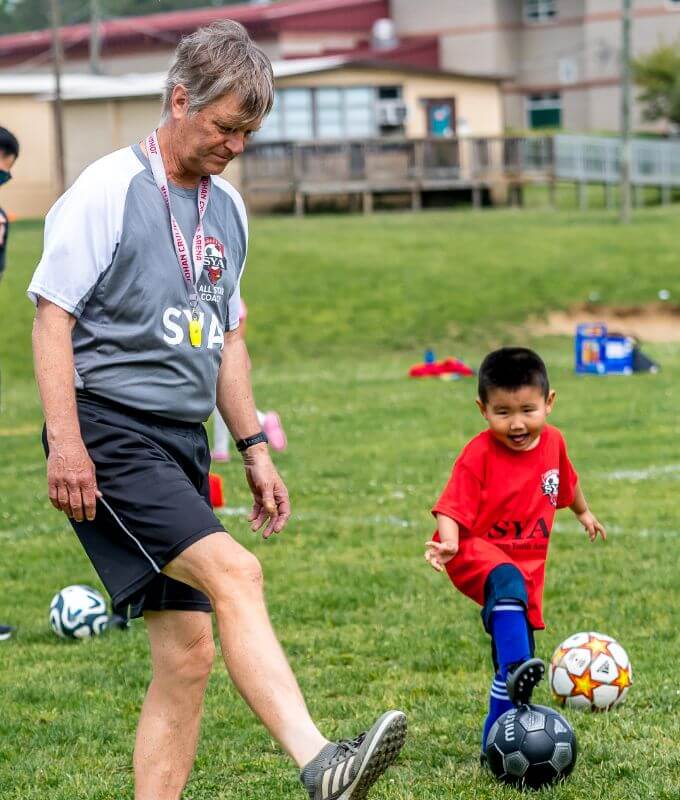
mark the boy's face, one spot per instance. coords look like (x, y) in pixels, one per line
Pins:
(7, 160)
(516, 418)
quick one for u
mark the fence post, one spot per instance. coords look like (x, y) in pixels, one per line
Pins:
(608, 196)
(582, 193)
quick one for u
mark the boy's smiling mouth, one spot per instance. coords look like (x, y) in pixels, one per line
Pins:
(519, 438)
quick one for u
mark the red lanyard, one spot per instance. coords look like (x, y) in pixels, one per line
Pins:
(190, 267)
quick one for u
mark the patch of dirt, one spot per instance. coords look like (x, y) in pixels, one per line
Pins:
(653, 322)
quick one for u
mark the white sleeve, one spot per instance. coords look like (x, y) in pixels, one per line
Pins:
(82, 231)
(234, 307)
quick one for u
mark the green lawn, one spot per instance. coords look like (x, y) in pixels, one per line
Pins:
(340, 307)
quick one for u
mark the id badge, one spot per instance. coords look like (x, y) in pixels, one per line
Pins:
(195, 332)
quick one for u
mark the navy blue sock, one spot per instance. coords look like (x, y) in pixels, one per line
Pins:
(510, 634)
(499, 703)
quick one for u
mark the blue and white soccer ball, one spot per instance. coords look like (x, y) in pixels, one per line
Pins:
(78, 612)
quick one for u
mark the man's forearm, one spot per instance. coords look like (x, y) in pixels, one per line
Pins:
(54, 370)
(234, 391)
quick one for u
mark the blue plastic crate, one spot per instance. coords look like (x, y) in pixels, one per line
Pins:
(600, 353)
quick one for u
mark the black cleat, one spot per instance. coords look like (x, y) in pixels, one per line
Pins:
(523, 678)
(347, 769)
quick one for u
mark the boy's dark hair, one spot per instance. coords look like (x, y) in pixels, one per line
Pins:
(9, 144)
(511, 368)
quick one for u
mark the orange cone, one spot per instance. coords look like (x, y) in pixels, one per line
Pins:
(216, 491)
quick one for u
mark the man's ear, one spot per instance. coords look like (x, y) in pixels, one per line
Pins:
(550, 402)
(481, 407)
(179, 102)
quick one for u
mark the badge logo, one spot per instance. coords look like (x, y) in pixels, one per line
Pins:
(213, 262)
(550, 484)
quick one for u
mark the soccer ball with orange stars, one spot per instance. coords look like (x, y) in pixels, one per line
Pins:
(590, 671)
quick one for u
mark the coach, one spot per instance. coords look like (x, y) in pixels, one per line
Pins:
(135, 340)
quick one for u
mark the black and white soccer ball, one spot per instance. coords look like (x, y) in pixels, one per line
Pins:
(78, 612)
(531, 746)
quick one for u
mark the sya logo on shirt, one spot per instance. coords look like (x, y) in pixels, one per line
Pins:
(550, 485)
(214, 264)
(209, 291)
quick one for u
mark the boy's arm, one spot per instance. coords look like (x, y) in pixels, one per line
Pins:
(585, 516)
(438, 554)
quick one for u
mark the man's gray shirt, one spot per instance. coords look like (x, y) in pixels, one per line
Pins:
(109, 260)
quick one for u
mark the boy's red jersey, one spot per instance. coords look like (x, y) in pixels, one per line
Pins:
(504, 502)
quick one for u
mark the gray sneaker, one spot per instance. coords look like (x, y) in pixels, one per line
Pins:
(347, 769)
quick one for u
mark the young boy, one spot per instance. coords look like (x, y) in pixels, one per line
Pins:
(496, 512)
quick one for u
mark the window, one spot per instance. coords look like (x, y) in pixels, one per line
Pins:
(540, 10)
(544, 110)
(323, 113)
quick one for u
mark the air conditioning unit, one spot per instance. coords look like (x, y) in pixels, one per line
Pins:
(391, 113)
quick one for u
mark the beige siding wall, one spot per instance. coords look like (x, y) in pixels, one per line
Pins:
(427, 16)
(485, 52)
(478, 102)
(32, 189)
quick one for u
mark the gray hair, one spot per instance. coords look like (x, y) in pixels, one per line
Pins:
(216, 60)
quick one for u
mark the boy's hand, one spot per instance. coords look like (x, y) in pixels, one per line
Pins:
(592, 525)
(438, 554)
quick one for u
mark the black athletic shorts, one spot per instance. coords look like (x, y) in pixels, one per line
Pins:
(153, 475)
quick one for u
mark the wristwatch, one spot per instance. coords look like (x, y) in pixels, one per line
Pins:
(249, 441)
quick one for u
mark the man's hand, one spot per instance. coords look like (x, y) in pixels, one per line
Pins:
(592, 525)
(438, 554)
(71, 480)
(271, 506)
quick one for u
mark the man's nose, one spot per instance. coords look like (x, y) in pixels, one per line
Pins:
(236, 142)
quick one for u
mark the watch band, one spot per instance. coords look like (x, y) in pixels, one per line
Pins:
(249, 441)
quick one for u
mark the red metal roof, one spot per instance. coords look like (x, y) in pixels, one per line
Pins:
(164, 30)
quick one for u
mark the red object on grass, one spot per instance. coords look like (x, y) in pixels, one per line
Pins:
(447, 366)
(216, 491)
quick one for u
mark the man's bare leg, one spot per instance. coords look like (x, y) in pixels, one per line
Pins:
(182, 654)
(232, 578)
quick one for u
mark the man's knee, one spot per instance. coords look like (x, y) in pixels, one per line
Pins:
(190, 663)
(237, 574)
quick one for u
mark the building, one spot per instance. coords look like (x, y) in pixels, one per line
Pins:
(327, 98)
(285, 29)
(562, 56)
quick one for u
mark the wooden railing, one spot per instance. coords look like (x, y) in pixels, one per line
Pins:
(373, 166)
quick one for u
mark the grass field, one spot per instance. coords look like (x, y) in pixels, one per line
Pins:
(340, 307)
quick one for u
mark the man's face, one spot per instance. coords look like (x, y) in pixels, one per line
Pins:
(516, 418)
(213, 136)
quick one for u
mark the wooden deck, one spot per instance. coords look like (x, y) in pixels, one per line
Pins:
(368, 168)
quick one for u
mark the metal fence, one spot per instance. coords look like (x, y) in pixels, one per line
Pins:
(595, 159)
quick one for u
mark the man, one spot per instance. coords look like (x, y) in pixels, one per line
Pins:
(9, 150)
(135, 338)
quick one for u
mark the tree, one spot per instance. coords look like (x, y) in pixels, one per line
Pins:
(658, 74)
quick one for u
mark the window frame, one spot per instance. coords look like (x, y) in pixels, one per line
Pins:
(542, 16)
(344, 108)
(531, 104)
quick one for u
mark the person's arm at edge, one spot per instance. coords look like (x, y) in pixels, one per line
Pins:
(71, 477)
(236, 405)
